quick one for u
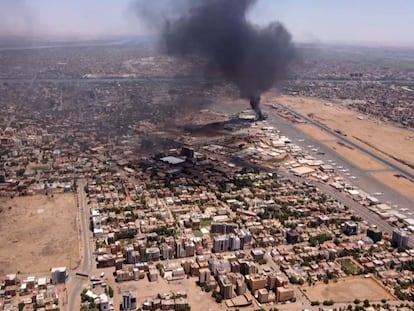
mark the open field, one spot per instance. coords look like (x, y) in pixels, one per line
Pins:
(313, 131)
(346, 290)
(356, 157)
(400, 184)
(387, 139)
(197, 299)
(37, 233)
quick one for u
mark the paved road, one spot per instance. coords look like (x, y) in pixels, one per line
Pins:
(86, 260)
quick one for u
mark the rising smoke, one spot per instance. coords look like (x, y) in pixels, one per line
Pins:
(253, 58)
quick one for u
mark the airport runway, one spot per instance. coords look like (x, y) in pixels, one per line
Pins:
(364, 180)
(350, 143)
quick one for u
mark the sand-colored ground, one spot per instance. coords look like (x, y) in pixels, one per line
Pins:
(389, 139)
(197, 299)
(346, 290)
(314, 131)
(400, 184)
(37, 233)
(356, 157)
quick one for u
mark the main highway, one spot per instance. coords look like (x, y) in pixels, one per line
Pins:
(85, 267)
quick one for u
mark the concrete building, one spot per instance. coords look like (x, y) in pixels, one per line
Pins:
(374, 234)
(221, 244)
(223, 228)
(271, 280)
(284, 294)
(103, 302)
(399, 239)
(129, 301)
(292, 237)
(350, 228)
(234, 242)
(153, 274)
(166, 252)
(204, 276)
(256, 281)
(258, 254)
(263, 295)
(58, 275)
(241, 287)
(226, 289)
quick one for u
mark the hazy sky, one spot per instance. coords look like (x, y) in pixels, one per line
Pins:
(371, 21)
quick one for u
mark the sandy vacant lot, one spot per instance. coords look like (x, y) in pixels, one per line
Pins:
(315, 132)
(197, 299)
(402, 185)
(37, 233)
(389, 139)
(356, 157)
(346, 290)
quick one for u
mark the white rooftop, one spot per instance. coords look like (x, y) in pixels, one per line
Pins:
(172, 160)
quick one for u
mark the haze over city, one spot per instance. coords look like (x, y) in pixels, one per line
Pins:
(366, 22)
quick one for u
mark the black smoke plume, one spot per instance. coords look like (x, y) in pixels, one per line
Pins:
(253, 58)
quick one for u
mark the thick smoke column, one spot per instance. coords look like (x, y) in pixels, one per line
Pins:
(252, 58)
(255, 105)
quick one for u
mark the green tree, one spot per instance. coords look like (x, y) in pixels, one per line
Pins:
(110, 292)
